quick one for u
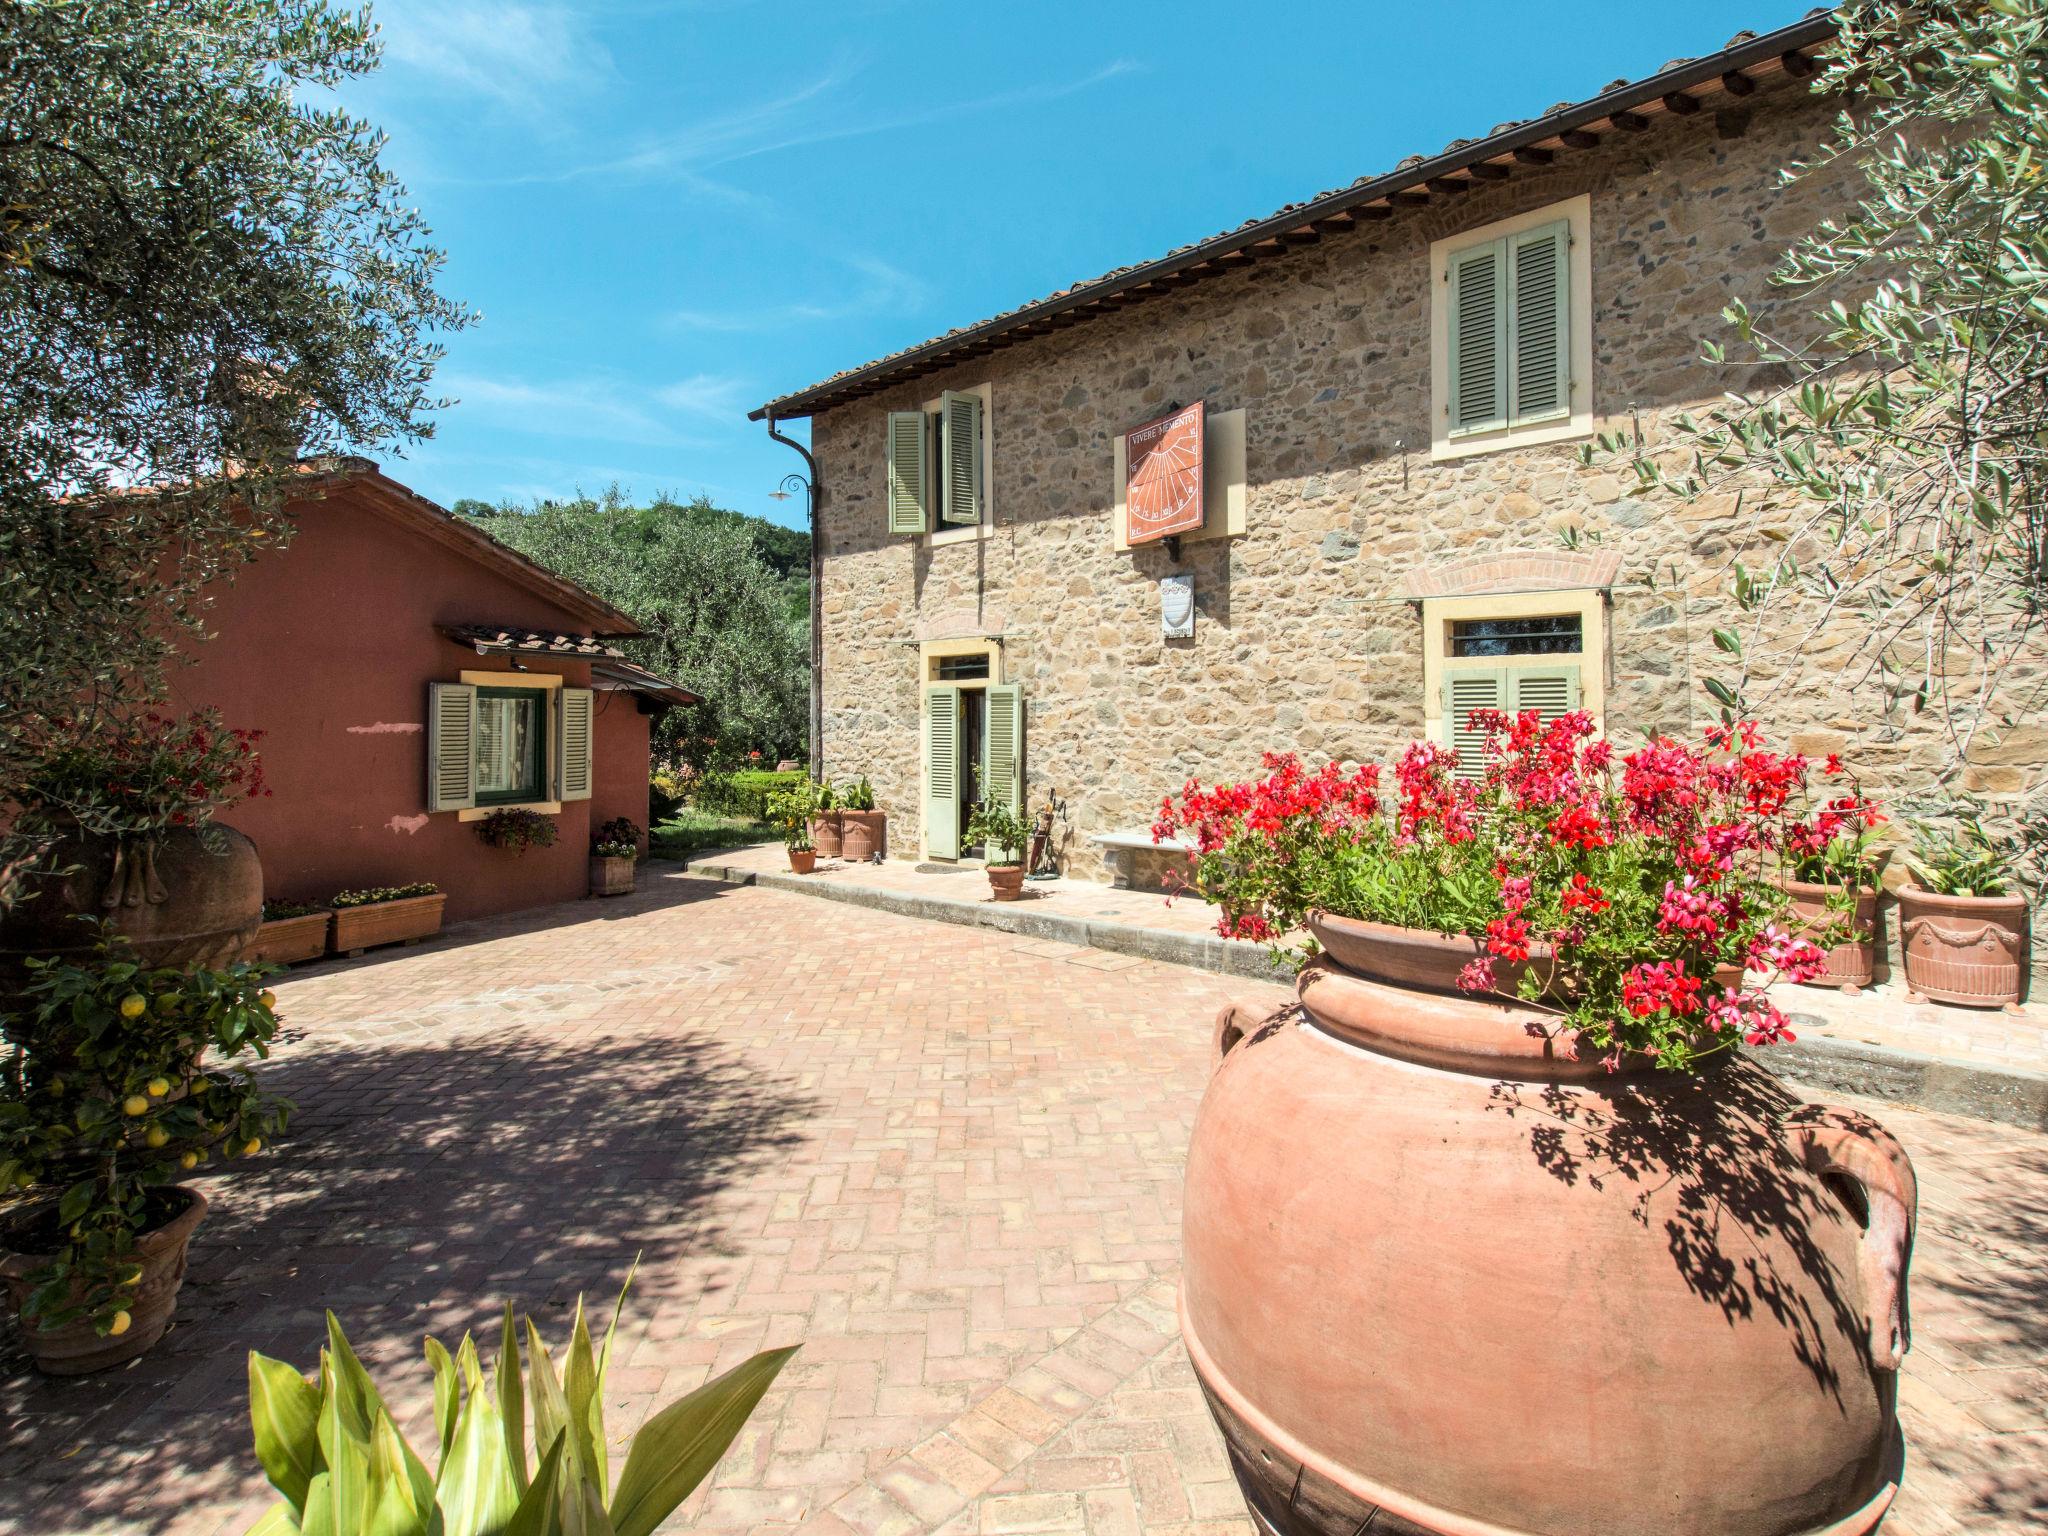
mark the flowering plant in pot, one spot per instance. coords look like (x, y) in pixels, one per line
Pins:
(1963, 921)
(516, 828)
(1004, 834)
(121, 810)
(1631, 894)
(1832, 865)
(103, 1104)
(1527, 1113)
(789, 811)
(614, 848)
(861, 825)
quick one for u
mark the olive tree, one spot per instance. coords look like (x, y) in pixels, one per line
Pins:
(1887, 441)
(205, 274)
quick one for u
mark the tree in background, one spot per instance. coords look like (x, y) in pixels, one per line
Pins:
(203, 275)
(1902, 452)
(724, 613)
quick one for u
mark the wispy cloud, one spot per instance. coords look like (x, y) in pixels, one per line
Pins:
(518, 54)
(595, 407)
(876, 289)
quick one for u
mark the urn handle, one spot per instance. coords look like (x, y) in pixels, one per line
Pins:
(1232, 1025)
(1854, 1146)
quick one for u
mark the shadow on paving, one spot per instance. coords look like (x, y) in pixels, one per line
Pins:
(420, 1188)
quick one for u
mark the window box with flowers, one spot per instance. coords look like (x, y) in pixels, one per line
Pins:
(391, 914)
(1414, 1207)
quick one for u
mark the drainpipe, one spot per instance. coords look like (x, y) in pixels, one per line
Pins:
(813, 492)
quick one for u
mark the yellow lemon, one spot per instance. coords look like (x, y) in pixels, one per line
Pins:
(134, 1005)
(267, 998)
(188, 1160)
(159, 1086)
(155, 1136)
(120, 1323)
(252, 1146)
(135, 1104)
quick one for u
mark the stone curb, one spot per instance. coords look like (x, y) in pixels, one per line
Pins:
(2004, 1095)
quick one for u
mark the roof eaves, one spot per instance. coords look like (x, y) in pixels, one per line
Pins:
(1746, 53)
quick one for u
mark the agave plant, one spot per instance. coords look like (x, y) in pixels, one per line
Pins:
(332, 1449)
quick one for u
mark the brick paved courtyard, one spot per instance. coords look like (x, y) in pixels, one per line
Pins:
(945, 1160)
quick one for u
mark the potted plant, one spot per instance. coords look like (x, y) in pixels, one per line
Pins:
(863, 828)
(123, 809)
(825, 823)
(1963, 925)
(335, 1454)
(1003, 833)
(1575, 1171)
(516, 828)
(614, 848)
(103, 1104)
(789, 810)
(1832, 870)
(385, 914)
(290, 933)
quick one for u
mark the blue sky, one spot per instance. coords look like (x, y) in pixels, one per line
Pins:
(669, 211)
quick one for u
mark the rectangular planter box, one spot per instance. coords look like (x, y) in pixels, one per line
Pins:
(289, 940)
(386, 922)
(611, 877)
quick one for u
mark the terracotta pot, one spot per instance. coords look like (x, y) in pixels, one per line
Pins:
(290, 940)
(803, 860)
(1852, 962)
(1449, 1275)
(1007, 881)
(611, 876)
(861, 833)
(1970, 950)
(405, 921)
(76, 1348)
(189, 897)
(1411, 957)
(825, 833)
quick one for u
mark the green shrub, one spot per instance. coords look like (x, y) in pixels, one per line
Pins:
(375, 894)
(331, 1447)
(744, 793)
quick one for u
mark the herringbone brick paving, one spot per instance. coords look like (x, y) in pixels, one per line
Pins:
(946, 1161)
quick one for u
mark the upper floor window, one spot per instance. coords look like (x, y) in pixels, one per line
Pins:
(937, 465)
(1511, 332)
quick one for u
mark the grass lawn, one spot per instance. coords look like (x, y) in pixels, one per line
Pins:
(691, 829)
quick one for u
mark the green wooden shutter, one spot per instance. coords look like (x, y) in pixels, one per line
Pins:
(960, 458)
(1002, 749)
(906, 472)
(1478, 296)
(451, 746)
(1550, 691)
(942, 772)
(574, 727)
(1465, 691)
(1539, 297)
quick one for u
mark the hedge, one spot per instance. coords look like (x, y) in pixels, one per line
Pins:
(742, 794)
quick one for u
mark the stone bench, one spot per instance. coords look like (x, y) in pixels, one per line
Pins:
(1136, 863)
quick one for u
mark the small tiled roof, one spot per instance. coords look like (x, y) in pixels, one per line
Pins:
(529, 641)
(1678, 89)
(627, 674)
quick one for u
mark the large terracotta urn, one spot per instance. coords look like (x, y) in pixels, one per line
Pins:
(189, 896)
(1446, 1273)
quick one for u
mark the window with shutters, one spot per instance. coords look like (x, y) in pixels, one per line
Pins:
(497, 739)
(1511, 349)
(1510, 651)
(937, 468)
(511, 745)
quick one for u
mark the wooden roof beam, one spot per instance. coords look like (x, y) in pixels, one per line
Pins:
(1681, 105)
(1630, 122)
(1578, 138)
(1798, 65)
(1736, 83)
(1529, 154)
(1486, 170)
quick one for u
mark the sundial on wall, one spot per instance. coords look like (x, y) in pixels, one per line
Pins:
(1163, 475)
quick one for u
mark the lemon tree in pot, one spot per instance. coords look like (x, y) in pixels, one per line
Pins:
(789, 811)
(1003, 834)
(103, 1105)
(1962, 918)
(1558, 1146)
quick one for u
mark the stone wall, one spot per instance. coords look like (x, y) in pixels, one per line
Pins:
(1306, 637)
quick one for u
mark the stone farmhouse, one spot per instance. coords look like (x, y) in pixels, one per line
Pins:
(1390, 524)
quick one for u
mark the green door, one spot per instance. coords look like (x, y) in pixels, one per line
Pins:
(942, 771)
